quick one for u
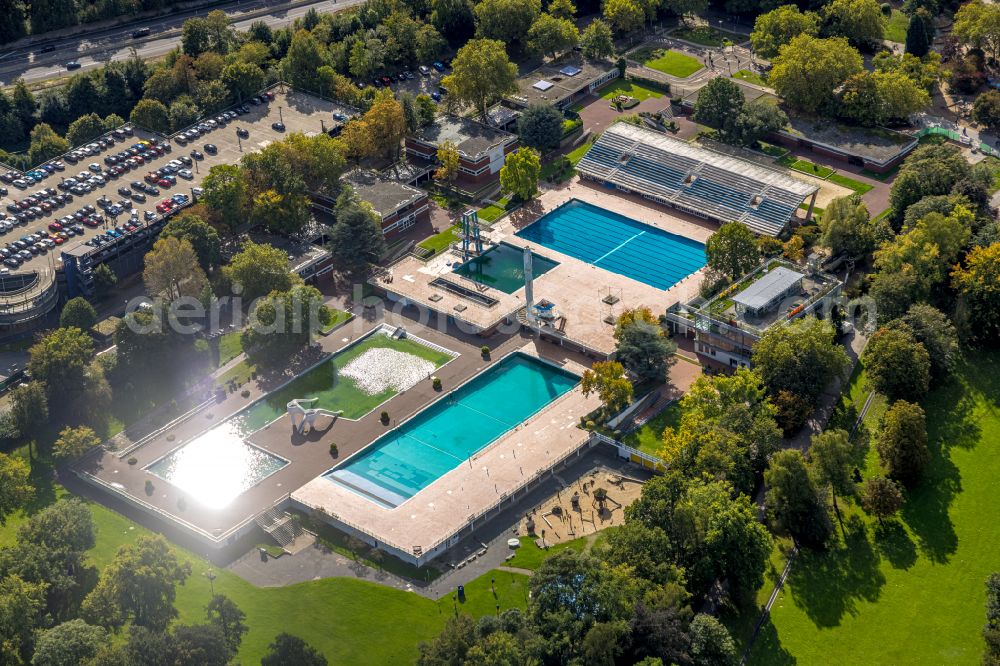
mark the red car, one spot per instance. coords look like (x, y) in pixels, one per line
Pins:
(163, 182)
(55, 226)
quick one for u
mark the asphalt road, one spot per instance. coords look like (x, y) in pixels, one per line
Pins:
(95, 49)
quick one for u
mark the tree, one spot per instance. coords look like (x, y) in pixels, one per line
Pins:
(520, 172)
(448, 157)
(778, 27)
(758, 118)
(454, 20)
(987, 109)
(897, 365)
(991, 632)
(79, 313)
(919, 33)
(287, 649)
(305, 57)
(85, 129)
(718, 105)
(902, 443)
(201, 644)
(59, 361)
(562, 9)
(430, 43)
(202, 237)
(74, 442)
(283, 322)
(25, 104)
(45, 144)
(243, 80)
(550, 35)
(139, 584)
(183, 112)
(481, 73)
(13, 28)
(22, 603)
(831, 455)
(624, 16)
(229, 619)
(932, 328)
(643, 349)
(807, 70)
(172, 270)
(15, 488)
(977, 24)
(881, 497)
(899, 96)
(68, 644)
(451, 645)
(607, 379)
(357, 140)
(711, 644)
(104, 280)
(29, 407)
(152, 115)
(386, 124)
(928, 170)
(860, 21)
(259, 269)
(978, 285)
(801, 358)
(226, 194)
(793, 502)
(540, 126)
(356, 241)
(506, 20)
(847, 227)
(597, 41)
(732, 250)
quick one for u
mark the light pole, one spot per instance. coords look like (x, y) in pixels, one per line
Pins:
(210, 575)
(239, 141)
(281, 118)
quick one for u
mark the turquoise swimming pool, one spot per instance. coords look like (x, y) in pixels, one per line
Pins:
(399, 464)
(502, 267)
(617, 243)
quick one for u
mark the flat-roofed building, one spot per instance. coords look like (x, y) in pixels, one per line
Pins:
(481, 149)
(399, 206)
(563, 82)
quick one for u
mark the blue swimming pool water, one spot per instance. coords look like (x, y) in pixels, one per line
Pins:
(617, 243)
(399, 464)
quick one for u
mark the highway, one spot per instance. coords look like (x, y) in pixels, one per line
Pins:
(94, 49)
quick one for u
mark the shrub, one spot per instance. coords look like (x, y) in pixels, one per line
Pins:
(333, 450)
(485, 349)
(436, 382)
(384, 417)
(245, 393)
(132, 460)
(149, 487)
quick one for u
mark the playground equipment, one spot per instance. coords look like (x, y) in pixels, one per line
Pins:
(307, 416)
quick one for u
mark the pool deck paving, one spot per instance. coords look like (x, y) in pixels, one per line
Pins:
(576, 287)
(309, 452)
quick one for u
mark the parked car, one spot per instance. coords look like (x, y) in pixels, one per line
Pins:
(278, 127)
(72, 64)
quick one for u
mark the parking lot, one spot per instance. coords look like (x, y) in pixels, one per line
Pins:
(297, 111)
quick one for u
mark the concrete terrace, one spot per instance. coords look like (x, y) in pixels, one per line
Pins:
(574, 286)
(494, 474)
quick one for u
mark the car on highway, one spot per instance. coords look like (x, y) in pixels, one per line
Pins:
(48, 48)
(72, 64)
(141, 32)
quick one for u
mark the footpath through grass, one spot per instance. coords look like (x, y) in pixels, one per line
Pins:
(911, 592)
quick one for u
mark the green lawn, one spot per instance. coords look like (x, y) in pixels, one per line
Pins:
(910, 592)
(805, 166)
(667, 61)
(850, 183)
(649, 438)
(336, 392)
(337, 317)
(631, 89)
(530, 556)
(239, 373)
(229, 347)
(441, 240)
(493, 212)
(895, 29)
(577, 153)
(994, 165)
(339, 616)
(750, 77)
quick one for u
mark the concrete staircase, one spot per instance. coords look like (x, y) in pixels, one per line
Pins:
(279, 525)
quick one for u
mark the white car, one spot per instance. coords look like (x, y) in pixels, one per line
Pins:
(197, 191)
(185, 174)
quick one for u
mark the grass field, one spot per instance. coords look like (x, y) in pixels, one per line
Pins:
(530, 556)
(750, 77)
(493, 212)
(649, 438)
(910, 592)
(805, 166)
(850, 183)
(668, 61)
(350, 621)
(895, 29)
(631, 89)
(441, 240)
(229, 347)
(337, 317)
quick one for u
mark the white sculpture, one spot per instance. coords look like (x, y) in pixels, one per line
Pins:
(307, 416)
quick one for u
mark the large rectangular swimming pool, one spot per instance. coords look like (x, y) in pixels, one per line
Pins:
(617, 243)
(399, 464)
